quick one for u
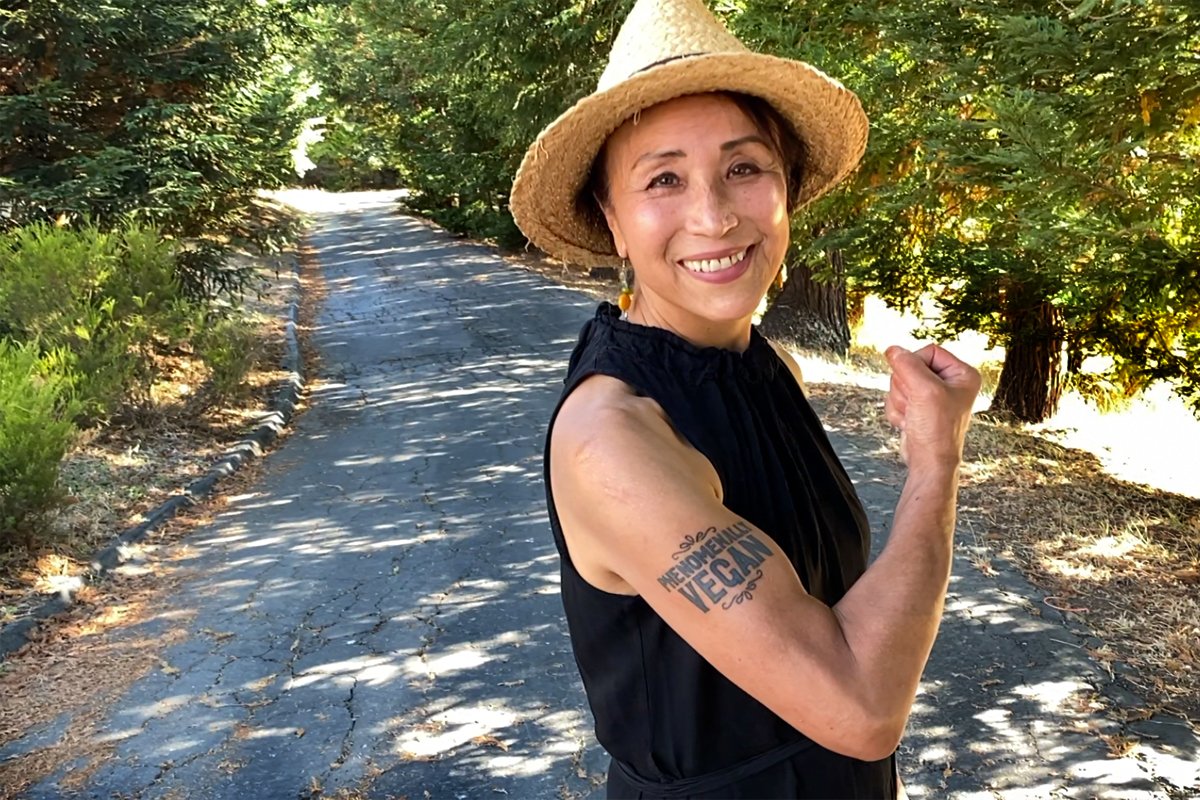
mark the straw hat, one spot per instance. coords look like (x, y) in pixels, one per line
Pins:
(667, 49)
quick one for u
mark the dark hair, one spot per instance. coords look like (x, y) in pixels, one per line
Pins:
(788, 146)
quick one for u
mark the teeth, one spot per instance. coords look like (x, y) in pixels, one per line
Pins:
(715, 264)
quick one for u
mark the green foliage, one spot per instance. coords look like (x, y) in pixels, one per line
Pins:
(1046, 152)
(173, 115)
(447, 96)
(1021, 152)
(105, 300)
(36, 408)
(230, 347)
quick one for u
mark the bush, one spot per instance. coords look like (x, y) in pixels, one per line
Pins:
(36, 409)
(106, 298)
(229, 347)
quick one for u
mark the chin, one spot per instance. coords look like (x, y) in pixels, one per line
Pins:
(729, 310)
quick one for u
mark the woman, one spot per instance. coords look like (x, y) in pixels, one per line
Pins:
(731, 639)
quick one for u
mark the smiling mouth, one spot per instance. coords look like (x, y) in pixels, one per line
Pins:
(716, 264)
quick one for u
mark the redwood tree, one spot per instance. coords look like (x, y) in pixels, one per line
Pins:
(810, 310)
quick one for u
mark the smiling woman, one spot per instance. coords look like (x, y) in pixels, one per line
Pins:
(731, 639)
(696, 198)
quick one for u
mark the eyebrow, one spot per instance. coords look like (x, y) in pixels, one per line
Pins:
(663, 155)
(751, 139)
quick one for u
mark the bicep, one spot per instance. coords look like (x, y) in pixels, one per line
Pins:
(725, 586)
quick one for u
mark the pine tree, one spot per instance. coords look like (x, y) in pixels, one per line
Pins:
(169, 113)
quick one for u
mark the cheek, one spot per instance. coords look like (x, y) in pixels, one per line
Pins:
(767, 210)
(652, 225)
(766, 205)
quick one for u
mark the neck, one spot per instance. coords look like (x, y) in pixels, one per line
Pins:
(700, 331)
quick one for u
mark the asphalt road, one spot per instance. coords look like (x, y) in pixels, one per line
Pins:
(381, 613)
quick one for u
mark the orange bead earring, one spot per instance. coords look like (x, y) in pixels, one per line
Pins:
(625, 299)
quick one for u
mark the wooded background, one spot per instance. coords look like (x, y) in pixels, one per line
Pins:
(1032, 166)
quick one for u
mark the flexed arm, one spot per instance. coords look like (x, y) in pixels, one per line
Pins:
(641, 510)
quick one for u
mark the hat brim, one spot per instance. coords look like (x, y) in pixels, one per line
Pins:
(826, 116)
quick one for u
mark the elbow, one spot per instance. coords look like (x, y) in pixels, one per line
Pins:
(876, 734)
(865, 737)
(881, 742)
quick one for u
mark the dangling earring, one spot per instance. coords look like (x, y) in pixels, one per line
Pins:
(779, 280)
(625, 299)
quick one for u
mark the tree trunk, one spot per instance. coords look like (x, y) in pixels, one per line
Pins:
(1031, 382)
(809, 314)
(856, 309)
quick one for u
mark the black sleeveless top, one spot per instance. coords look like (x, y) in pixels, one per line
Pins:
(674, 726)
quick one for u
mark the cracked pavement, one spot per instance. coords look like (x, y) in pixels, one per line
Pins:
(380, 614)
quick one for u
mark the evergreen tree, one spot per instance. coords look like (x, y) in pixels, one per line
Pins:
(169, 113)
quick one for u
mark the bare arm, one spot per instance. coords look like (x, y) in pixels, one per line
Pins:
(844, 676)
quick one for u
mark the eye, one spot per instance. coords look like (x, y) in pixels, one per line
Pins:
(744, 168)
(663, 180)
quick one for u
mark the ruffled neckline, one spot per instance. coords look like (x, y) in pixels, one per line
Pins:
(757, 363)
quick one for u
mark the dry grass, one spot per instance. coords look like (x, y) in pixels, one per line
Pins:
(78, 667)
(1124, 557)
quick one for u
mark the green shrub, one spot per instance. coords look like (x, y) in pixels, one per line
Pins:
(107, 298)
(48, 276)
(229, 347)
(36, 409)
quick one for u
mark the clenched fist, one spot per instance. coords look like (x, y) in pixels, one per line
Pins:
(930, 401)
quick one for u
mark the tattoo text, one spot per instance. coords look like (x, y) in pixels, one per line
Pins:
(717, 566)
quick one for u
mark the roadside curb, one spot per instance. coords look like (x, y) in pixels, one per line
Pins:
(287, 397)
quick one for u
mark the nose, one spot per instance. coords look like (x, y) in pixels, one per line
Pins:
(711, 213)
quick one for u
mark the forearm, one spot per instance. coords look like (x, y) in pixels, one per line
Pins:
(890, 617)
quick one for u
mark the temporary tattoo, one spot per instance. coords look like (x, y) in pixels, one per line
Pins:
(744, 594)
(712, 562)
(690, 541)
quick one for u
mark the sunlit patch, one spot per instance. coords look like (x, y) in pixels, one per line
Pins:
(994, 716)
(249, 733)
(1068, 568)
(1113, 772)
(376, 670)
(119, 735)
(446, 664)
(451, 729)
(1052, 694)
(1132, 540)
(936, 754)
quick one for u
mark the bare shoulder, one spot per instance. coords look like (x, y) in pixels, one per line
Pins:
(616, 457)
(788, 359)
(613, 435)
(603, 404)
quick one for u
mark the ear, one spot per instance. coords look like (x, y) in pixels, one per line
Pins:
(614, 227)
